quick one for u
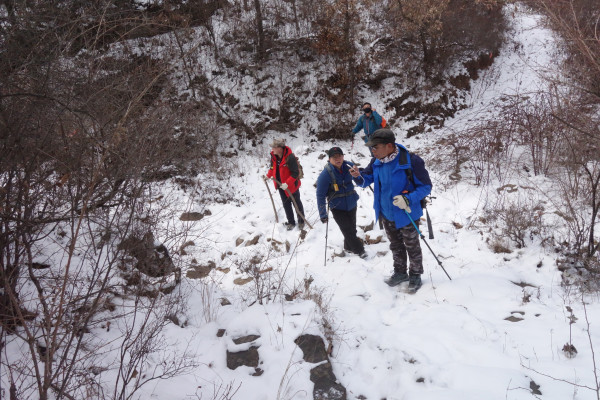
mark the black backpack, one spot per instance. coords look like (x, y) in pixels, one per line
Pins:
(417, 168)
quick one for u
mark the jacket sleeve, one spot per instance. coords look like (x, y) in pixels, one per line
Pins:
(420, 192)
(292, 165)
(322, 188)
(377, 118)
(359, 125)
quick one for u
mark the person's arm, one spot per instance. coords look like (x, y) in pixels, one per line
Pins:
(322, 188)
(421, 191)
(270, 172)
(292, 165)
(360, 178)
(359, 125)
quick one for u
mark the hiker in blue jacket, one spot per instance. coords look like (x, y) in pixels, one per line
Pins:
(395, 197)
(335, 186)
(369, 122)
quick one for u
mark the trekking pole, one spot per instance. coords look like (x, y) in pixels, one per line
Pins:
(272, 202)
(295, 204)
(423, 237)
(429, 227)
(326, 234)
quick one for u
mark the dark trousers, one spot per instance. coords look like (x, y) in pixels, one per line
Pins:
(404, 244)
(289, 207)
(346, 220)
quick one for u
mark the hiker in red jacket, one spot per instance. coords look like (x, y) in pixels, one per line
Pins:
(284, 169)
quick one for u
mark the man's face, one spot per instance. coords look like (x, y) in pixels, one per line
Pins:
(336, 160)
(382, 150)
(278, 151)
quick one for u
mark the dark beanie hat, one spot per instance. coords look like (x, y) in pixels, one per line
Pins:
(381, 136)
(334, 150)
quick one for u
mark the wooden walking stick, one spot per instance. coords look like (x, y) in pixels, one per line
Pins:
(272, 202)
(295, 204)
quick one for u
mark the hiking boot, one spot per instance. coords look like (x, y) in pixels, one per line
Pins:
(414, 283)
(289, 226)
(300, 225)
(397, 278)
(363, 254)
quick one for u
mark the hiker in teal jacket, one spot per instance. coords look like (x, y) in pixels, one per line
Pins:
(396, 197)
(369, 122)
(335, 186)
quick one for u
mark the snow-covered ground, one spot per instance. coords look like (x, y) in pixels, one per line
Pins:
(495, 331)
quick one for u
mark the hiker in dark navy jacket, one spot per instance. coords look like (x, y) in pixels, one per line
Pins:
(369, 122)
(396, 195)
(336, 187)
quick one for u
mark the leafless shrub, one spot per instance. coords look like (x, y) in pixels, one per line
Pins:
(536, 128)
(85, 136)
(517, 220)
(484, 149)
(440, 32)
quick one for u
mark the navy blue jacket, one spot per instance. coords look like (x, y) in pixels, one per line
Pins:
(391, 180)
(337, 200)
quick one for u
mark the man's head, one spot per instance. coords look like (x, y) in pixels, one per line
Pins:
(336, 157)
(366, 108)
(382, 143)
(278, 146)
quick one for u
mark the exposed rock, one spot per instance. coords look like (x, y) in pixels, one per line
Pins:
(247, 357)
(154, 271)
(225, 302)
(376, 240)
(152, 260)
(220, 332)
(512, 318)
(242, 281)
(255, 260)
(183, 246)
(326, 387)
(313, 348)
(191, 216)
(246, 339)
(368, 227)
(253, 241)
(238, 241)
(200, 271)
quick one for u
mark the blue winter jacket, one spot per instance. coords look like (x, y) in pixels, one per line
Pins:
(343, 199)
(391, 180)
(368, 124)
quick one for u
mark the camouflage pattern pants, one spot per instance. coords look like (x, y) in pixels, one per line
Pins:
(404, 244)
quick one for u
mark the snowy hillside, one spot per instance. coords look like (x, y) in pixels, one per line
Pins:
(141, 256)
(495, 331)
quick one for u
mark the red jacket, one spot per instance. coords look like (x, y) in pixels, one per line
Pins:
(288, 170)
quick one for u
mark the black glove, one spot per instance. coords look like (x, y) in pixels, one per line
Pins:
(324, 220)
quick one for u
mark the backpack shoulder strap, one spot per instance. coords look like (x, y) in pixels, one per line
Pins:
(419, 170)
(331, 174)
(404, 159)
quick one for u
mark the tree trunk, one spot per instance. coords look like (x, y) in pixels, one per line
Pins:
(349, 57)
(260, 35)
